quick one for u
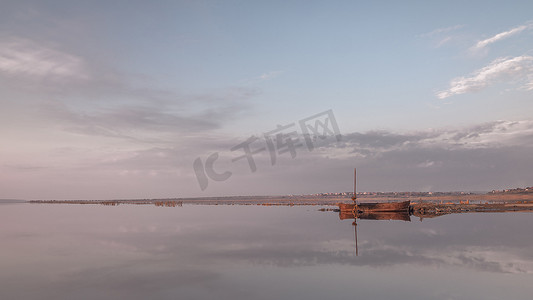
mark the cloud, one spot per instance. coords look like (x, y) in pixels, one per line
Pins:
(270, 75)
(443, 41)
(21, 57)
(469, 158)
(159, 162)
(500, 36)
(501, 69)
(497, 134)
(64, 89)
(140, 120)
(441, 36)
(439, 31)
(429, 164)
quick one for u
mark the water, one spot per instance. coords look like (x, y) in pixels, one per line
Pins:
(250, 252)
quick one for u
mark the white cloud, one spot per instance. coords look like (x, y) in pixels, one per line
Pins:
(501, 69)
(441, 30)
(443, 41)
(23, 57)
(442, 36)
(529, 86)
(482, 44)
(429, 164)
(270, 75)
(491, 135)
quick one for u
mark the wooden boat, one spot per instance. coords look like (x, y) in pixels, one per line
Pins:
(376, 207)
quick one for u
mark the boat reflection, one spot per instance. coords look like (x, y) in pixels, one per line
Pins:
(399, 215)
(388, 216)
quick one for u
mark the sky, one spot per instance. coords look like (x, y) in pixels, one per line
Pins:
(162, 99)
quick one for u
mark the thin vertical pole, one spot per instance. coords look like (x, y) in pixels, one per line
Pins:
(355, 229)
(354, 183)
(356, 210)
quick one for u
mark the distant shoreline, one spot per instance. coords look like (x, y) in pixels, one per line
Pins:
(302, 200)
(12, 201)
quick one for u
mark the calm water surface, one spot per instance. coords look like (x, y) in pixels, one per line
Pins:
(250, 252)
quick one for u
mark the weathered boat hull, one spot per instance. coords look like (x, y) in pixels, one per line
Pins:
(376, 207)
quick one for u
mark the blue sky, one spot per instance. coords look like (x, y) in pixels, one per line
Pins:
(117, 100)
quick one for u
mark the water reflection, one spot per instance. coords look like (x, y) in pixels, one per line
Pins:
(485, 245)
(243, 252)
(400, 215)
(368, 215)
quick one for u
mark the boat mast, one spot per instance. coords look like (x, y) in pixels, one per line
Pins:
(354, 183)
(355, 209)
(354, 197)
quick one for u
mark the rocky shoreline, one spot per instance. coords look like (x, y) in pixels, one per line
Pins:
(430, 210)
